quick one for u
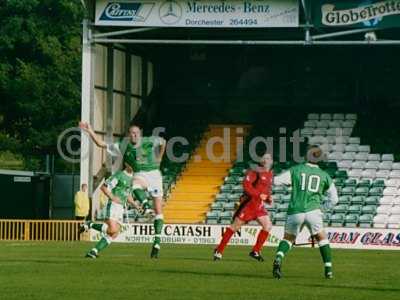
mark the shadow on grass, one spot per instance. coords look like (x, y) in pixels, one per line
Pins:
(337, 286)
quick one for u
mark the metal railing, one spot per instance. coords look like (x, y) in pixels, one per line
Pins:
(40, 230)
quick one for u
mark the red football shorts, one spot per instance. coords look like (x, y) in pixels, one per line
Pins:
(251, 211)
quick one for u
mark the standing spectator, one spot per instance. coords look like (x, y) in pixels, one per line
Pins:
(82, 203)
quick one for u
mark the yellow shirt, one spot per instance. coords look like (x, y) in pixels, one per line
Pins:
(81, 204)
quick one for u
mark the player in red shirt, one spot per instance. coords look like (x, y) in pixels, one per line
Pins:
(257, 190)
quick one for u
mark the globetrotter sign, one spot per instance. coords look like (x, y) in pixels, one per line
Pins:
(330, 13)
(179, 13)
(352, 238)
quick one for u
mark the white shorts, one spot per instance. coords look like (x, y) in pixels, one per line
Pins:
(114, 211)
(312, 219)
(153, 181)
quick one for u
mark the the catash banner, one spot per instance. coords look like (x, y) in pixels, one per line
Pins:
(179, 13)
(352, 238)
(348, 13)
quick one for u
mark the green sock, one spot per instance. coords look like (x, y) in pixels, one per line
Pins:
(140, 195)
(103, 243)
(283, 249)
(325, 250)
(158, 225)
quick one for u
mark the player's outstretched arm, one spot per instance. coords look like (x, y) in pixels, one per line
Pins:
(87, 128)
(283, 179)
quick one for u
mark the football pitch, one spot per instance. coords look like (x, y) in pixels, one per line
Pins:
(57, 270)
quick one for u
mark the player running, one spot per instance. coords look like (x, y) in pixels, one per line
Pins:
(118, 190)
(309, 184)
(144, 155)
(257, 190)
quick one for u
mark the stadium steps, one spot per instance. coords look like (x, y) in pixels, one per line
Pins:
(195, 191)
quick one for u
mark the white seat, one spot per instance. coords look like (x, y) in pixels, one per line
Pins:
(386, 201)
(354, 140)
(319, 131)
(341, 139)
(356, 173)
(380, 221)
(327, 117)
(394, 222)
(326, 148)
(310, 124)
(385, 165)
(387, 157)
(351, 117)
(364, 148)
(338, 116)
(369, 173)
(348, 124)
(306, 131)
(382, 174)
(335, 124)
(390, 191)
(383, 209)
(338, 148)
(372, 165)
(396, 166)
(361, 156)
(358, 164)
(393, 182)
(313, 116)
(395, 210)
(335, 156)
(318, 139)
(334, 132)
(349, 156)
(344, 164)
(374, 157)
(347, 131)
(396, 201)
(395, 174)
(351, 148)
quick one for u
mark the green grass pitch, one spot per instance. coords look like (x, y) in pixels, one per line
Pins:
(57, 270)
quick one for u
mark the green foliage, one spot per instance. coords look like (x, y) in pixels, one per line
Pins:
(40, 72)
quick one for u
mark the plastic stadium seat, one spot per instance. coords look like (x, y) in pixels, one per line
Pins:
(335, 156)
(286, 198)
(221, 197)
(354, 141)
(374, 157)
(348, 191)
(386, 200)
(313, 117)
(369, 173)
(385, 165)
(365, 221)
(396, 201)
(350, 182)
(368, 209)
(395, 174)
(344, 200)
(306, 132)
(234, 197)
(361, 191)
(383, 209)
(351, 221)
(217, 206)
(395, 210)
(361, 156)
(354, 209)
(393, 222)
(341, 139)
(212, 221)
(322, 124)
(364, 149)
(226, 188)
(348, 156)
(341, 174)
(387, 157)
(364, 183)
(358, 164)
(318, 139)
(237, 188)
(390, 191)
(357, 173)
(371, 200)
(326, 218)
(335, 124)
(380, 221)
(277, 189)
(339, 148)
(341, 208)
(344, 164)
(227, 215)
(231, 180)
(351, 117)
(396, 166)
(376, 191)
(326, 117)
(378, 183)
(229, 206)
(393, 182)
(358, 200)
(372, 165)
(347, 131)
(213, 215)
(338, 116)
(347, 124)
(382, 174)
(333, 132)
(319, 131)
(280, 218)
(351, 148)
(337, 220)
(310, 124)
(283, 207)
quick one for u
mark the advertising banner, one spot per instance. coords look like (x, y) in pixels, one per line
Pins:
(179, 13)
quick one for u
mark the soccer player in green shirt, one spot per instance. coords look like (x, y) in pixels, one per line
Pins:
(309, 184)
(118, 190)
(144, 155)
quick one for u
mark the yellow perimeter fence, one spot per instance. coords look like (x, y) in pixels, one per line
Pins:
(40, 230)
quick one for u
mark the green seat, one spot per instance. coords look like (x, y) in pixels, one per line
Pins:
(279, 189)
(378, 183)
(337, 220)
(211, 221)
(348, 191)
(364, 183)
(231, 180)
(372, 200)
(366, 221)
(237, 189)
(351, 182)
(229, 206)
(354, 209)
(225, 221)
(286, 198)
(376, 191)
(234, 197)
(283, 207)
(277, 198)
(339, 182)
(341, 208)
(226, 215)
(351, 220)
(362, 191)
(341, 174)
(217, 206)
(222, 197)
(326, 218)
(358, 200)
(213, 215)
(344, 200)
(280, 218)
(226, 188)
(368, 210)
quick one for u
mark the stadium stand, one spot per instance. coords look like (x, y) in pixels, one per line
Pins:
(368, 183)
